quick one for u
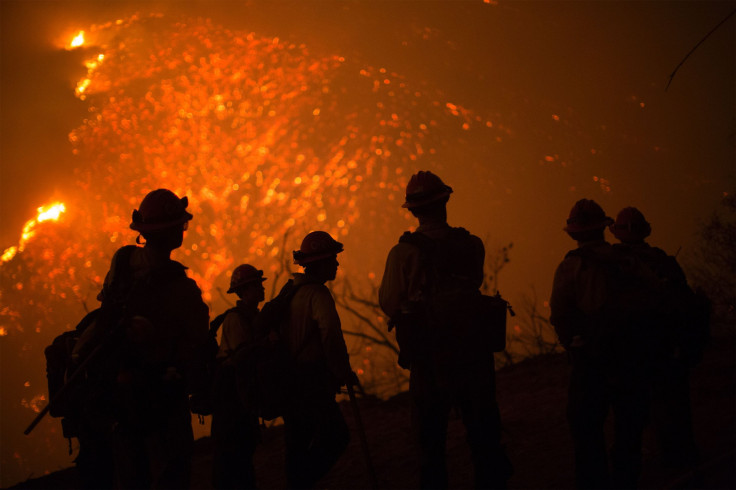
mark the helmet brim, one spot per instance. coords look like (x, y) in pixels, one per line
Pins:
(148, 227)
(627, 234)
(599, 225)
(244, 283)
(302, 259)
(419, 201)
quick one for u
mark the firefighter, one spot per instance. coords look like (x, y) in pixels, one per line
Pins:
(161, 359)
(427, 275)
(681, 338)
(599, 310)
(315, 431)
(235, 432)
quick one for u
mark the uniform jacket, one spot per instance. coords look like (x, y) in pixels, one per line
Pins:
(578, 291)
(314, 334)
(236, 329)
(176, 332)
(405, 274)
(665, 266)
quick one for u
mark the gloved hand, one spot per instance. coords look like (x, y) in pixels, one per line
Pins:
(352, 379)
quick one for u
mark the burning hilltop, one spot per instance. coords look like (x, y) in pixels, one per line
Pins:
(267, 140)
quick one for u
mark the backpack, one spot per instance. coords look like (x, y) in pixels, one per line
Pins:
(683, 315)
(204, 403)
(69, 395)
(265, 369)
(453, 315)
(624, 331)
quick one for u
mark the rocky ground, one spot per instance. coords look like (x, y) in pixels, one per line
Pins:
(532, 400)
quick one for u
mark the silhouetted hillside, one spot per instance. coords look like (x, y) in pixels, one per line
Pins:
(532, 398)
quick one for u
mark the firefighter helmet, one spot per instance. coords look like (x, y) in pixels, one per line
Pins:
(244, 274)
(160, 209)
(317, 245)
(630, 225)
(587, 215)
(424, 187)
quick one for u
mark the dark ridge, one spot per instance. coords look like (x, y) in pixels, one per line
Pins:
(532, 396)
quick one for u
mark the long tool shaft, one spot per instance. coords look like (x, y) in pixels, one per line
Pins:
(363, 440)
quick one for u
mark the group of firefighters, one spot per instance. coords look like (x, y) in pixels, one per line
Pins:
(161, 373)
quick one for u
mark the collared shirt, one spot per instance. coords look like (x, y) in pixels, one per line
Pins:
(314, 333)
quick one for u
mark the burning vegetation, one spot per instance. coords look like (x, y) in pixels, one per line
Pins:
(267, 140)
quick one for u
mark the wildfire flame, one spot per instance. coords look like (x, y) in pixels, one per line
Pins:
(78, 40)
(51, 212)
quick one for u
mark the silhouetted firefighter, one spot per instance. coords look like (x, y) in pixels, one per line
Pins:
(159, 360)
(603, 310)
(430, 290)
(682, 331)
(235, 431)
(315, 431)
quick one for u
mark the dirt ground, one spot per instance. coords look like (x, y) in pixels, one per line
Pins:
(532, 397)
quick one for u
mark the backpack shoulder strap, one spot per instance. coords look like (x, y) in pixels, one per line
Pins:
(220, 319)
(459, 233)
(122, 275)
(419, 240)
(289, 291)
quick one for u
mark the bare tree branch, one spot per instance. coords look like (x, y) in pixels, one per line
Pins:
(672, 75)
(373, 340)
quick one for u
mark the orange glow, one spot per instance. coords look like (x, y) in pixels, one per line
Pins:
(8, 254)
(51, 212)
(35, 404)
(78, 40)
(256, 134)
(605, 184)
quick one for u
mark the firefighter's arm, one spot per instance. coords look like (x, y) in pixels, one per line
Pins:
(233, 334)
(479, 252)
(564, 311)
(194, 348)
(325, 314)
(401, 281)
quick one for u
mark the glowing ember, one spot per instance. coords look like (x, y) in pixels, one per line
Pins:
(36, 403)
(266, 139)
